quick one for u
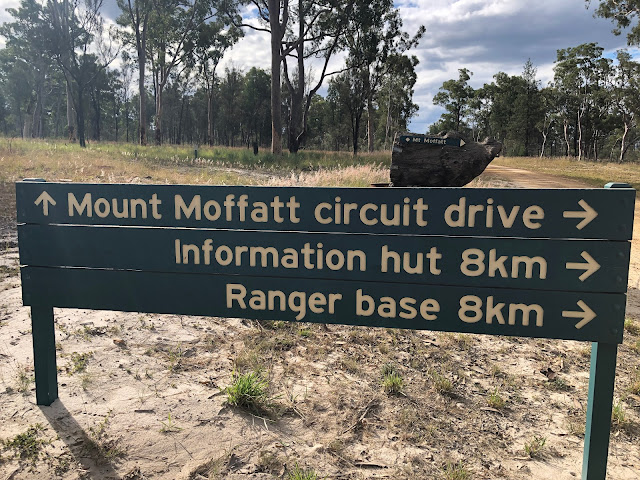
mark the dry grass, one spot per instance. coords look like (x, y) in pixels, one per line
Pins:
(127, 163)
(593, 173)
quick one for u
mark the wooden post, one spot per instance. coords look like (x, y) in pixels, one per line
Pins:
(596, 436)
(44, 354)
(602, 377)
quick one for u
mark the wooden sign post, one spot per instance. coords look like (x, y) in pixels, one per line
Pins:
(529, 263)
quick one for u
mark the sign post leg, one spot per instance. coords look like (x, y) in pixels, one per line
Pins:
(596, 437)
(44, 354)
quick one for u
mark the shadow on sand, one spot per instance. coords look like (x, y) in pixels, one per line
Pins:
(85, 450)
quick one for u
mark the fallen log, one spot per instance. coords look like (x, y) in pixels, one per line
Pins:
(445, 160)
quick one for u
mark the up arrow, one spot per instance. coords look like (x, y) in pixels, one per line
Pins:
(589, 268)
(587, 214)
(45, 199)
(586, 314)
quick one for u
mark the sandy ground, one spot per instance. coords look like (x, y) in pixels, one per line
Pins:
(140, 396)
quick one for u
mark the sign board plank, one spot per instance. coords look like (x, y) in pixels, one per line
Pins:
(567, 265)
(563, 315)
(589, 213)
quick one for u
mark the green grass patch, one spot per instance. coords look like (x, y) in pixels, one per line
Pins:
(28, 445)
(535, 446)
(392, 384)
(495, 400)
(456, 471)
(298, 473)
(631, 326)
(249, 391)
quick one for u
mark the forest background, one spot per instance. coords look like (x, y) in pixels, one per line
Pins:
(155, 77)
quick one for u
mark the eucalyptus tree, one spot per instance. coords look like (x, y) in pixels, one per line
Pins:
(626, 101)
(76, 29)
(456, 97)
(28, 63)
(394, 97)
(135, 20)
(625, 14)
(301, 33)
(210, 42)
(256, 106)
(346, 87)
(373, 47)
(580, 75)
(171, 23)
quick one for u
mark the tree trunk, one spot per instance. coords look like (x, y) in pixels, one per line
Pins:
(276, 87)
(370, 126)
(355, 131)
(544, 141)
(296, 126)
(159, 114)
(579, 136)
(623, 147)
(142, 121)
(80, 115)
(566, 135)
(210, 118)
(71, 118)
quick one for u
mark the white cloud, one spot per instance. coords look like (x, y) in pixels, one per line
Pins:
(485, 36)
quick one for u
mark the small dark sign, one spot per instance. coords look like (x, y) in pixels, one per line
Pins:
(429, 140)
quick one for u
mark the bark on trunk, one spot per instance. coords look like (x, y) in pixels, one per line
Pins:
(370, 126)
(159, 114)
(276, 86)
(80, 115)
(71, 118)
(142, 121)
(210, 118)
(623, 147)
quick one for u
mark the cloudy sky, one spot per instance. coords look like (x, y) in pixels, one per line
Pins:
(485, 36)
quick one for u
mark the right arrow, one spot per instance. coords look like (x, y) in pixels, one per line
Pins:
(589, 268)
(586, 314)
(587, 214)
(45, 199)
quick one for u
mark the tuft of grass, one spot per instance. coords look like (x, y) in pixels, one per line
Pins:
(169, 426)
(634, 387)
(24, 379)
(495, 400)
(559, 384)
(350, 364)
(79, 362)
(442, 384)
(455, 471)
(27, 446)
(389, 368)
(618, 415)
(392, 384)
(298, 473)
(534, 447)
(100, 444)
(631, 326)
(248, 391)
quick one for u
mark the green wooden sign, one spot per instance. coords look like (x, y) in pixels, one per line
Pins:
(577, 265)
(551, 213)
(529, 263)
(523, 313)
